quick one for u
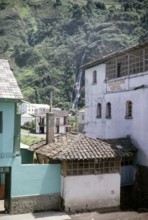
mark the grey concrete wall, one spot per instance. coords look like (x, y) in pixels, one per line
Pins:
(20, 205)
(50, 127)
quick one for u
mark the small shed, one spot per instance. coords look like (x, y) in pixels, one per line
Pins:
(90, 174)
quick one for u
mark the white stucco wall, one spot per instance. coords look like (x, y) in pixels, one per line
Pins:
(118, 91)
(91, 191)
(61, 123)
(81, 117)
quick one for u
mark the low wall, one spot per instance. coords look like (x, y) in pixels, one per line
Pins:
(20, 205)
(35, 187)
(90, 192)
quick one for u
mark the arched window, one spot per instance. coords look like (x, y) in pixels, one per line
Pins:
(94, 77)
(108, 110)
(129, 109)
(99, 110)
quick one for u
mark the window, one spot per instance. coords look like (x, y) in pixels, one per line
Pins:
(94, 77)
(57, 121)
(127, 161)
(129, 109)
(118, 69)
(111, 69)
(108, 110)
(99, 110)
(136, 62)
(1, 122)
(88, 167)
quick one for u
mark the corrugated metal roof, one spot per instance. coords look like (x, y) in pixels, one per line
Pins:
(77, 146)
(9, 88)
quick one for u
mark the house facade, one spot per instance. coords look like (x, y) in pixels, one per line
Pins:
(10, 95)
(90, 169)
(61, 124)
(30, 108)
(24, 186)
(116, 89)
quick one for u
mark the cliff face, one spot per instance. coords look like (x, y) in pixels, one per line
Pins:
(45, 40)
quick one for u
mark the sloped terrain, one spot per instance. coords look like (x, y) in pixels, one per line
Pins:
(45, 40)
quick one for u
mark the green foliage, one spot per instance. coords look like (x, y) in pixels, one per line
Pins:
(28, 140)
(30, 126)
(44, 40)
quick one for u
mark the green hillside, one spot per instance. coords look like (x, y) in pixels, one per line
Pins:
(44, 40)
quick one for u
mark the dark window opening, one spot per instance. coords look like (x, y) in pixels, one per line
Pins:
(118, 69)
(58, 129)
(65, 121)
(108, 110)
(129, 109)
(99, 110)
(94, 77)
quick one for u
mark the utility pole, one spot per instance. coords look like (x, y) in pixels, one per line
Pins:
(51, 100)
(76, 120)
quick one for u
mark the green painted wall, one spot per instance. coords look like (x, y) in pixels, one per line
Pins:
(27, 156)
(35, 179)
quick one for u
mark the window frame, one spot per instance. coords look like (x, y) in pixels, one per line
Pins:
(99, 110)
(129, 110)
(108, 110)
(90, 167)
(94, 77)
(119, 65)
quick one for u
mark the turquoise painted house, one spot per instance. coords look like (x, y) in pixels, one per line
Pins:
(24, 186)
(10, 95)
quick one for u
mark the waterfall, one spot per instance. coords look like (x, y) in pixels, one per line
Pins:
(77, 89)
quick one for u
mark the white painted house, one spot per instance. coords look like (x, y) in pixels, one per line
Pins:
(116, 98)
(61, 124)
(90, 169)
(30, 108)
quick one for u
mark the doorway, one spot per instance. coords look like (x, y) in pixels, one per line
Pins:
(5, 185)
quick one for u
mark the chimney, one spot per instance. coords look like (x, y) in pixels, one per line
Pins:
(49, 127)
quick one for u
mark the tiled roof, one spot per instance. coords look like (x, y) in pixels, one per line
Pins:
(123, 144)
(72, 146)
(60, 113)
(9, 88)
(57, 113)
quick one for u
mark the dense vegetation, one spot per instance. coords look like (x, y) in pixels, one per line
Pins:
(44, 40)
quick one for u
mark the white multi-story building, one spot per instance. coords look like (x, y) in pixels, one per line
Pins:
(31, 108)
(61, 124)
(116, 89)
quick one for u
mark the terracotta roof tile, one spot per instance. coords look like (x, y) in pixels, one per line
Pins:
(71, 146)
